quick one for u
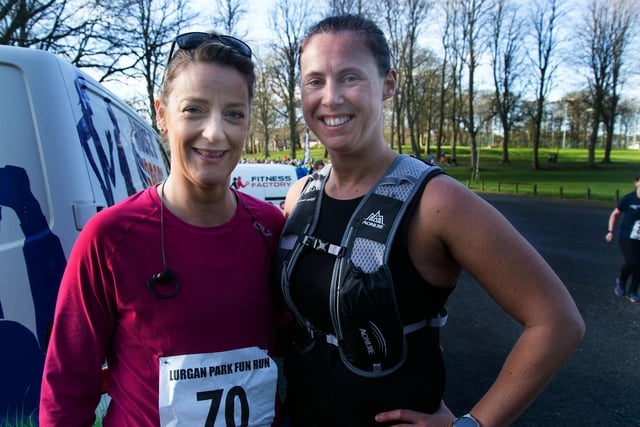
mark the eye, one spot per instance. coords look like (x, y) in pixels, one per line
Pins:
(192, 109)
(313, 82)
(235, 115)
(350, 78)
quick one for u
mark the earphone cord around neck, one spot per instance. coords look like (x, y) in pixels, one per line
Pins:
(164, 257)
(167, 276)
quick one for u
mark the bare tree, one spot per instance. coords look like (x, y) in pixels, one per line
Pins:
(69, 28)
(416, 12)
(43, 25)
(392, 23)
(451, 76)
(576, 118)
(628, 111)
(424, 108)
(147, 28)
(230, 13)
(358, 7)
(609, 29)
(263, 106)
(474, 26)
(289, 20)
(544, 20)
(506, 51)
(404, 22)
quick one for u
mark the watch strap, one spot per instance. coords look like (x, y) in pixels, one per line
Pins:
(466, 420)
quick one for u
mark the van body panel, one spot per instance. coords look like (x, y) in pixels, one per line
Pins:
(68, 148)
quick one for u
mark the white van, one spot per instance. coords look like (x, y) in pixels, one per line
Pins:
(68, 148)
(266, 181)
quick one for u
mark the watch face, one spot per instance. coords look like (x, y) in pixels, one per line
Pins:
(466, 422)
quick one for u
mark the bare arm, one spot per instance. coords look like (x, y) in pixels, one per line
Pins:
(612, 222)
(455, 229)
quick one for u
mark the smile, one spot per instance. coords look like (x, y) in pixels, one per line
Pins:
(336, 121)
(209, 154)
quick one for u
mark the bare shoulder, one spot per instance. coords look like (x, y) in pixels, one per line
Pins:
(444, 231)
(454, 229)
(446, 203)
(293, 194)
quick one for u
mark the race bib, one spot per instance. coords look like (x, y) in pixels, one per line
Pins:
(226, 389)
(635, 231)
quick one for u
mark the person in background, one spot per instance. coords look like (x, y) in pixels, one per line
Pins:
(629, 241)
(171, 285)
(318, 165)
(301, 169)
(346, 75)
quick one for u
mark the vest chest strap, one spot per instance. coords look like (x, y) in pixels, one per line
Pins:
(323, 246)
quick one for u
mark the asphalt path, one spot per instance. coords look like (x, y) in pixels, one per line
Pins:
(600, 384)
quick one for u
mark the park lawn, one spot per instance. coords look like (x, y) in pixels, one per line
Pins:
(568, 178)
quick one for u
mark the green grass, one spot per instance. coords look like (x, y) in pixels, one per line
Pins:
(31, 421)
(569, 178)
(20, 421)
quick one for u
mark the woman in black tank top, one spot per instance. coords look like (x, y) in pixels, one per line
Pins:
(346, 74)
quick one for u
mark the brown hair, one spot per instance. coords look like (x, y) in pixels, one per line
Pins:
(211, 51)
(370, 34)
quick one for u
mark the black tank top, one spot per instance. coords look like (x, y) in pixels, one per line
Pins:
(321, 390)
(311, 278)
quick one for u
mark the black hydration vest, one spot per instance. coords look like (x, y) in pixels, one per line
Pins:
(368, 330)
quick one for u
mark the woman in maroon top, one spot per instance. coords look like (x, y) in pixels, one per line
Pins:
(171, 284)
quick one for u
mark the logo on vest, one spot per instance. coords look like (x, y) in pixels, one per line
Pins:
(375, 220)
(373, 340)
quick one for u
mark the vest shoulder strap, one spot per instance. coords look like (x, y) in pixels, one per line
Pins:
(376, 220)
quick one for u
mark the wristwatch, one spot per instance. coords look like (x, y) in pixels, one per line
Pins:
(466, 421)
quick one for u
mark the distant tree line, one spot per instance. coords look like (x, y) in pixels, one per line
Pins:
(440, 49)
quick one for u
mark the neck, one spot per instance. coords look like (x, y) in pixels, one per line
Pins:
(351, 178)
(203, 208)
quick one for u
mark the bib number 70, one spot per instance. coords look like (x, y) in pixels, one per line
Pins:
(234, 394)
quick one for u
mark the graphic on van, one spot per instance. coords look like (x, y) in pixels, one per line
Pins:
(100, 154)
(261, 181)
(237, 183)
(22, 356)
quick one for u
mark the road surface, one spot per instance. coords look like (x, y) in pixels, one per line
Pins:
(600, 383)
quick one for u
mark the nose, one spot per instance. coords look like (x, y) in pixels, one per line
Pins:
(213, 127)
(332, 94)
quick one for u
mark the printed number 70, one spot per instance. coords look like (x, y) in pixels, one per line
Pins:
(215, 396)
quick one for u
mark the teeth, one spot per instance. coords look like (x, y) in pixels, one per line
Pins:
(337, 121)
(210, 154)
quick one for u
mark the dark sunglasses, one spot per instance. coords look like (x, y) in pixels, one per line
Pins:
(188, 41)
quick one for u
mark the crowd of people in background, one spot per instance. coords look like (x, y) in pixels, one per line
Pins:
(302, 167)
(444, 160)
(309, 166)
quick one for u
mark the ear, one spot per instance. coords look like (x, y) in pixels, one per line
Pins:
(160, 120)
(390, 84)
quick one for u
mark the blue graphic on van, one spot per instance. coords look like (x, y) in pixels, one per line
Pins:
(87, 131)
(145, 142)
(22, 355)
(100, 154)
(122, 158)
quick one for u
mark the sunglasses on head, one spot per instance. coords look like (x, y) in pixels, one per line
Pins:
(188, 41)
